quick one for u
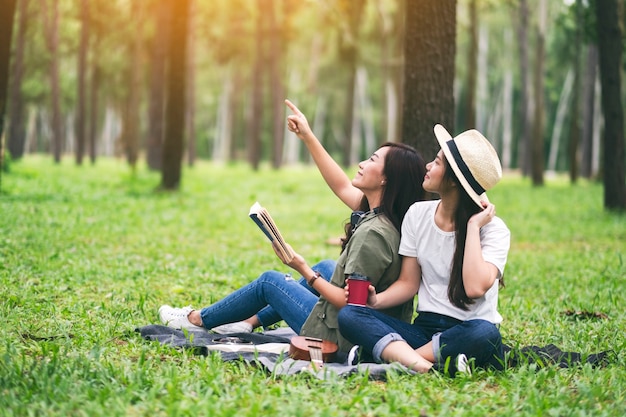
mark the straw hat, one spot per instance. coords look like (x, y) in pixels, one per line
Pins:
(473, 160)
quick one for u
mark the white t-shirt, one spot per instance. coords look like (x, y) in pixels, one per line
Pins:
(434, 249)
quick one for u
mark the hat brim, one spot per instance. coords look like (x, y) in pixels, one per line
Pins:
(443, 136)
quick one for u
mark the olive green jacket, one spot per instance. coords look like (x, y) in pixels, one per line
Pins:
(373, 252)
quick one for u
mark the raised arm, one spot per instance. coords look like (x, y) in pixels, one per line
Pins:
(332, 173)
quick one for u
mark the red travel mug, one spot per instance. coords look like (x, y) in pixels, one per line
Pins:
(358, 290)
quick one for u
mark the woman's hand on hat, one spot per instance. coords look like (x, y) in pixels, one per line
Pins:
(484, 216)
(297, 122)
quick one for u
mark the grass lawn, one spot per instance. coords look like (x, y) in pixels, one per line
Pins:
(87, 254)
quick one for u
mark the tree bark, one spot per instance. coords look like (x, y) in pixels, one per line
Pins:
(256, 113)
(610, 53)
(472, 64)
(17, 128)
(429, 72)
(51, 24)
(156, 106)
(81, 104)
(277, 73)
(190, 118)
(7, 15)
(523, 160)
(348, 53)
(575, 126)
(173, 144)
(537, 152)
(589, 92)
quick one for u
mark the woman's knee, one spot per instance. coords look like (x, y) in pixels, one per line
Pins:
(271, 277)
(349, 316)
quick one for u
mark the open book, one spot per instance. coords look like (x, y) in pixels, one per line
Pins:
(263, 219)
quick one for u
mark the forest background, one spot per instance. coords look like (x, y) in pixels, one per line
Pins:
(87, 84)
(88, 253)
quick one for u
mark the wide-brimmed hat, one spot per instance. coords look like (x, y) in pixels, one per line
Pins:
(473, 159)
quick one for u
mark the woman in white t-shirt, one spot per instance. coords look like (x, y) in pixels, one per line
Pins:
(454, 252)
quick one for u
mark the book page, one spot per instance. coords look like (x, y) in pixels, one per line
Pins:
(265, 222)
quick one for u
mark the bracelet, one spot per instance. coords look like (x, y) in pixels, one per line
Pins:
(313, 278)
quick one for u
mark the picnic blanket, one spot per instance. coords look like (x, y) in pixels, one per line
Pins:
(270, 351)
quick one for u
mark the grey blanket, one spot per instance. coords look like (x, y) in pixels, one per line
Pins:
(203, 342)
(249, 348)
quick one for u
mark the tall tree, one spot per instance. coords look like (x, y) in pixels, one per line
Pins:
(50, 11)
(190, 117)
(589, 93)
(610, 55)
(173, 143)
(17, 128)
(351, 10)
(132, 101)
(429, 52)
(537, 151)
(523, 160)
(97, 34)
(255, 120)
(472, 66)
(575, 125)
(81, 105)
(276, 19)
(7, 14)
(156, 107)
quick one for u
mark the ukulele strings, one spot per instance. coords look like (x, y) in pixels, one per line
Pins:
(315, 350)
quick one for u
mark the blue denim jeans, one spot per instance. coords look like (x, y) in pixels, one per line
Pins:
(272, 296)
(373, 331)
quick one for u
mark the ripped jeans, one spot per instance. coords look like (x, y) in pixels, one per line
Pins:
(271, 297)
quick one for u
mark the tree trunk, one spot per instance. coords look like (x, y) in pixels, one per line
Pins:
(17, 128)
(472, 64)
(589, 93)
(276, 72)
(81, 104)
(7, 15)
(348, 53)
(156, 106)
(190, 119)
(523, 160)
(255, 120)
(507, 106)
(561, 112)
(575, 127)
(429, 72)
(175, 104)
(391, 44)
(132, 119)
(94, 106)
(610, 53)
(537, 153)
(51, 24)
(224, 124)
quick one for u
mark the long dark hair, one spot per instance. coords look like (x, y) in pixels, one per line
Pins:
(466, 208)
(404, 172)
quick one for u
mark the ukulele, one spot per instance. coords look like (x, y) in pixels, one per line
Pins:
(312, 349)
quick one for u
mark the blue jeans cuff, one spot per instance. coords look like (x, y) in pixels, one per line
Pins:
(382, 344)
(436, 347)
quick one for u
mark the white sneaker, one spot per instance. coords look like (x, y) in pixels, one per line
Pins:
(177, 318)
(462, 366)
(237, 327)
(353, 357)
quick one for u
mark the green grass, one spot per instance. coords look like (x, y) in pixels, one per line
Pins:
(87, 254)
